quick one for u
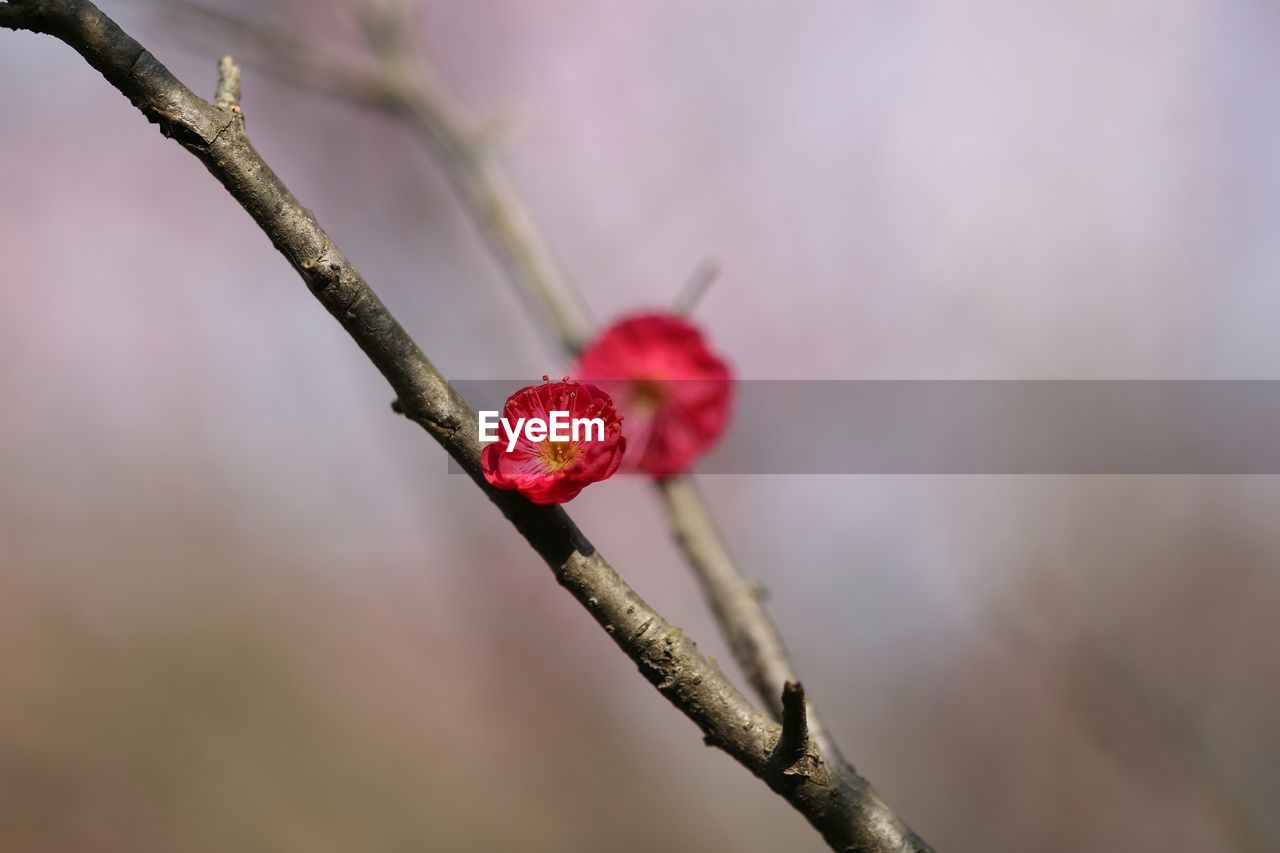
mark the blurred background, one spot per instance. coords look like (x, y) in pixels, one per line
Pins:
(243, 607)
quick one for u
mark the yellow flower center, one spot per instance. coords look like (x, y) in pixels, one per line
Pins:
(558, 454)
(646, 394)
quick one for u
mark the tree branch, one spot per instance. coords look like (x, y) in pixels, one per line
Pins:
(840, 805)
(407, 87)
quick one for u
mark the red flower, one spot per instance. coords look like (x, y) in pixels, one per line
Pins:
(673, 390)
(552, 472)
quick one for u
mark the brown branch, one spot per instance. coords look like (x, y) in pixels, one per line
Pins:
(409, 88)
(840, 805)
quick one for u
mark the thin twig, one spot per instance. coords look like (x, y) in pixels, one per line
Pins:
(736, 603)
(492, 200)
(227, 95)
(840, 805)
(796, 754)
(793, 745)
(696, 287)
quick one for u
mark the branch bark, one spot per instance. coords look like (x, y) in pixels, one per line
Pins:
(841, 805)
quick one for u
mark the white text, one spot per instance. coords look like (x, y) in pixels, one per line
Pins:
(560, 427)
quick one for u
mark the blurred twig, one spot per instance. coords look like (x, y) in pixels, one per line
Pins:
(393, 81)
(841, 805)
(400, 81)
(694, 289)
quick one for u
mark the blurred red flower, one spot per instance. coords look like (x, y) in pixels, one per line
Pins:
(553, 472)
(672, 389)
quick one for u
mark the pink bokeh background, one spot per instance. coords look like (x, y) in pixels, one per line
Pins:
(242, 606)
